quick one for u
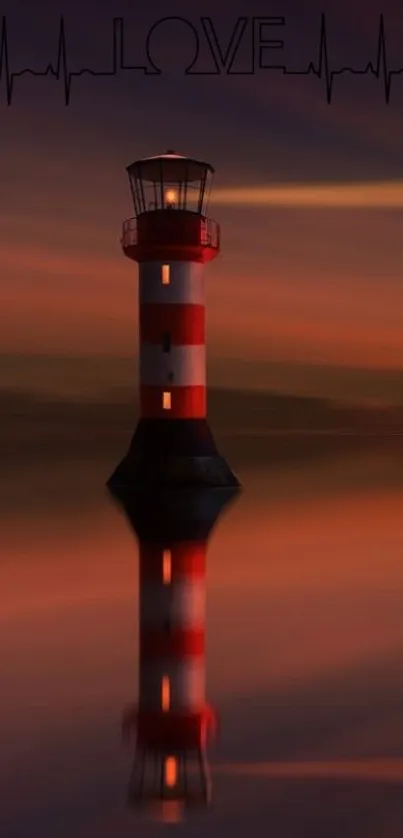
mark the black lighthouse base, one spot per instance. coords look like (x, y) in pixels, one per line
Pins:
(173, 453)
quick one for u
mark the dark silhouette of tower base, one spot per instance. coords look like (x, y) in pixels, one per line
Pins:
(173, 453)
(171, 720)
(171, 239)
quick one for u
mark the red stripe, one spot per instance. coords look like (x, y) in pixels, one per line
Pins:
(188, 560)
(170, 253)
(172, 730)
(171, 235)
(175, 643)
(183, 322)
(160, 730)
(186, 402)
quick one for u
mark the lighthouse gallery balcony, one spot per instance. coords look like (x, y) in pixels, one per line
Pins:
(176, 234)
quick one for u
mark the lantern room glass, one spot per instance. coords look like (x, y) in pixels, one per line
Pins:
(170, 184)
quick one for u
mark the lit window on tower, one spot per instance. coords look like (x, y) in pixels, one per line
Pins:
(166, 567)
(166, 400)
(170, 771)
(166, 274)
(165, 693)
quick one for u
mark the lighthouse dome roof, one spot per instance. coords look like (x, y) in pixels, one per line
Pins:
(173, 166)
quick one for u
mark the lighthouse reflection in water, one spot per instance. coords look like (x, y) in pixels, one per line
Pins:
(171, 723)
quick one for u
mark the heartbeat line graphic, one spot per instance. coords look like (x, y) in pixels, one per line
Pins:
(321, 69)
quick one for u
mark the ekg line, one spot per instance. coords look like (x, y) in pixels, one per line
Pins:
(320, 69)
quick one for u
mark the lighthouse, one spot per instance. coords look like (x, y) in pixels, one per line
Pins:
(171, 238)
(172, 721)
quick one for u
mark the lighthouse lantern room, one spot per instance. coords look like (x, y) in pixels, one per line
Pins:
(170, 181)
(170, 197)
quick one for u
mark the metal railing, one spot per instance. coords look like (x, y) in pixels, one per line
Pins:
(129, 232)
(209, 232)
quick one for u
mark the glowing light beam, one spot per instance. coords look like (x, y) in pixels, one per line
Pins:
(365, 195)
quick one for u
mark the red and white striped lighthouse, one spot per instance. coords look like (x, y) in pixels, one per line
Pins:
(172, 719)
(171, 238)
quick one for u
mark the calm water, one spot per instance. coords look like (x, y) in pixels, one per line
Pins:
(303, 666)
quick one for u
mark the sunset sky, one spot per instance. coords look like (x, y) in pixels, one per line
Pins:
(307, 294)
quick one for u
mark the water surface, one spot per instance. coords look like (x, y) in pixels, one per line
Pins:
(304, 653)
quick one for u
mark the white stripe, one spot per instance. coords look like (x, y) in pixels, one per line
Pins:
(186, 684)
(186, 283)
(183, 366)
(182, 603)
